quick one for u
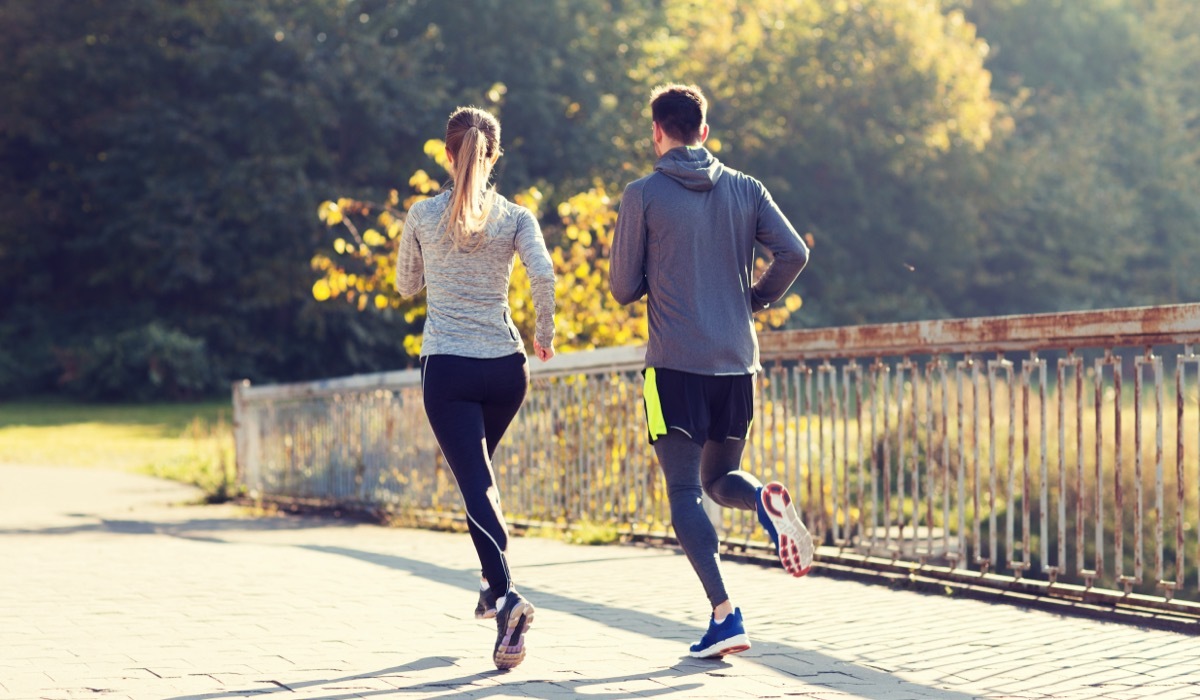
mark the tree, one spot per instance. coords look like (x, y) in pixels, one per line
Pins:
(1092, 201)
(173, 200)
(853, 114)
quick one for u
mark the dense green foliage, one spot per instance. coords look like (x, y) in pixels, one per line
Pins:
(161, 164)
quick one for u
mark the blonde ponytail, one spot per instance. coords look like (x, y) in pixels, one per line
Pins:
(474, 137)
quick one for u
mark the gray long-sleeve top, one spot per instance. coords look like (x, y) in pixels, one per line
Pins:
(685, 238)
(467, 310)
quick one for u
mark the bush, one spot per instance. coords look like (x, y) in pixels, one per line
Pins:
(26, 364)
(142, 364)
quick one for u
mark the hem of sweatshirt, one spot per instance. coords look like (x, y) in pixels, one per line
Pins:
(706, 371)
(474, 353)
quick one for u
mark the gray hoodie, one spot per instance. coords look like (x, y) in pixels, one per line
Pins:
(685, 239)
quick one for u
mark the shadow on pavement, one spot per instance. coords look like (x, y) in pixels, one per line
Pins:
(801, 664)
(186, 529)
(470, 686)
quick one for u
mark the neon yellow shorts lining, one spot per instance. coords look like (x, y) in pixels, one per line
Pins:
(654, 414)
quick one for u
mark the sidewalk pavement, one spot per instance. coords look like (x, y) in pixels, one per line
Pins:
(111, 586)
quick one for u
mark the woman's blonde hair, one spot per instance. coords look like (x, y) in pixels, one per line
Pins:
(473, 138)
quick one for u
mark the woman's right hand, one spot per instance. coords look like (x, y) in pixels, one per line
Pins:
(544, 354)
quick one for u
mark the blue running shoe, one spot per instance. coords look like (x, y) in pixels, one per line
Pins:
(793, 543)
(729, 637)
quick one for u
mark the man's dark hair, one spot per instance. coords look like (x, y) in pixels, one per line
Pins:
(679, 110)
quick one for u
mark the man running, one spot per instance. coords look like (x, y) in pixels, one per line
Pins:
(685, 239)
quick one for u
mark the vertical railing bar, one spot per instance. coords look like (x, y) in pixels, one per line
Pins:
(634, 448)
(831, 401)
(794, 463)
(554, 452)
(597, 474)
(946, 460)
(1180, 504)
(534, 442)
(863, 460)
(773, 373)
(614, 466)
(961, 551)
(594, 415)
(623, 395)
(886, 447)
(1060, 390)
(634, 452)
(929, 472)
(990, 561)
(1189, 352)
(976, 480)
(1098, 382)
(754, 440)
(846, 400)
(1138, 457)
(1159, 530)
(813, 496)
(786, 376)
(642, 455)
(529, 437)
(1119, 515)
(602, 446)
(900, 461)
(874, 409)
(1010, 513)
(821, 405)
(1026, 374)
(915, 384)
(1039, 364)
(579, 389)
(777, 422)
(834, 409)
(1081, 500)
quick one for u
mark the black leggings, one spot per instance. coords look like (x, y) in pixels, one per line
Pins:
(470, 403)
(688, 467)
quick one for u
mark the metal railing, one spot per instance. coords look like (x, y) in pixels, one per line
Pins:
(1006, 452)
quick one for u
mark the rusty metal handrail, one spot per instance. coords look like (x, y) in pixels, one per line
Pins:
(1140, 326)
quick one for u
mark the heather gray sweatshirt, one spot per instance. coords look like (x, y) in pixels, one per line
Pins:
(685, 239)
(467, 312)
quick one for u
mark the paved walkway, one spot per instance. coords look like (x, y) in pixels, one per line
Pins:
(111, 587)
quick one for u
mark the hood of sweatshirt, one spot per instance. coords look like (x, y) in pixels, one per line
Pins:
(694, 168)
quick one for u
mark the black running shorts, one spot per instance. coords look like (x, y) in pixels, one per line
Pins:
(703, 407)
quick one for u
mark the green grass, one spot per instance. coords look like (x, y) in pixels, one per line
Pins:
(192, 443)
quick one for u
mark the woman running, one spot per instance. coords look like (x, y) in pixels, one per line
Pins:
(459, 246)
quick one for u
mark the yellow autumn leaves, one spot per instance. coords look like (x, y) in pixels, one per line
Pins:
(360, 269)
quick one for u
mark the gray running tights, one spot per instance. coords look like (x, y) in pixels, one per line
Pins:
(687, 468)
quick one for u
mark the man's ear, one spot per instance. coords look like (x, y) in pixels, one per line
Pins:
(658, 133)
(703, 132)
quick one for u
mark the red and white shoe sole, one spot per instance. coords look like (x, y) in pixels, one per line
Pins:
(733, 645)
(795, 542)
